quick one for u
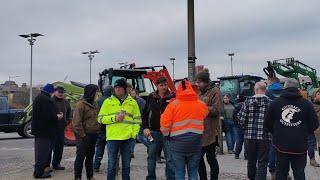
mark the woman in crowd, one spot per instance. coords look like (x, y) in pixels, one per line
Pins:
(229, 126)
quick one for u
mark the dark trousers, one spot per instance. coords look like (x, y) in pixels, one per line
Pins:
(258, 151)
(170, 165)
(100, 148)
(42, 147)
(57, 145)
(124, 147)
(154, 148)
(240, 142)
(272, 160)
(85, 152)
(312, 143)
(298, 164)
(210, 152)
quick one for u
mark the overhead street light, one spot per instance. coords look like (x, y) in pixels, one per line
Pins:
(231, 59)
(172, 61)
(31, 39)
(91, 56)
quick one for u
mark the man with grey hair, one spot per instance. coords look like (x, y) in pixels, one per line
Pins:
(291, 83)
(251, 118)
(290, 119)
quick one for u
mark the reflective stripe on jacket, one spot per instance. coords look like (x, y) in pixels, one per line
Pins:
(185, 114)
(129, 128)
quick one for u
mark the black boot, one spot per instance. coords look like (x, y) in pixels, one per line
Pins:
(43, 176)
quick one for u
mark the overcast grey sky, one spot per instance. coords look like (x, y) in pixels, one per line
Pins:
(148, 32)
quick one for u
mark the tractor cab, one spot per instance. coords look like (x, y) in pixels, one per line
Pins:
(134, 77)
(235, 85)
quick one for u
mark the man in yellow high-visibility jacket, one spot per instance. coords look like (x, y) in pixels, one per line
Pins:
(121, 115)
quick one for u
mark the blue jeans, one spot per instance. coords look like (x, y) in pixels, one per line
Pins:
(170, 165)
(141, 138)
(124, 146)
(312, 142)
(153, 152)
(133, 145)
(272, 159)
(191, 160)
(231, 134)
(240, 141)
(100, 147)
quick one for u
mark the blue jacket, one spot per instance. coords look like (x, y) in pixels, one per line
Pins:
(141, 103)
(274, 90)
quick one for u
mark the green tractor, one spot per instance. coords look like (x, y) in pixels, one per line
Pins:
(236, 85)
(292, 68)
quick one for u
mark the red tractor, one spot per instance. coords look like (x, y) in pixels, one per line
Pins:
(136, 76)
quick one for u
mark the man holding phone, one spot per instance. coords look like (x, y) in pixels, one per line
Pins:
(121, 115)
(64, 115)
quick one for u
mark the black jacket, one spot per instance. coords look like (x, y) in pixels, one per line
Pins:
(63, 106)
(44, 116)
(155, 106)
(291, 119)
(237, 109)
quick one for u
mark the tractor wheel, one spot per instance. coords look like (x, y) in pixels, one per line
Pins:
(21, 133)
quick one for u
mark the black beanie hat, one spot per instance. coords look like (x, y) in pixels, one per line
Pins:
(203, 76)
(121, 83)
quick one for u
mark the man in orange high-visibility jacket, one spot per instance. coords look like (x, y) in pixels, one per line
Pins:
(182, 124)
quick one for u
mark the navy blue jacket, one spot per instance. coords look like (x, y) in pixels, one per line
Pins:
(290, 119)
(44, 116)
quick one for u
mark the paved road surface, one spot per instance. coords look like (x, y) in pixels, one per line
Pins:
(16, 161)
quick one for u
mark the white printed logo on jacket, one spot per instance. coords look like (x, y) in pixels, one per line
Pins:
(287, 116)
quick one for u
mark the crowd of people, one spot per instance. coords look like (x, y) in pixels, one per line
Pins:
(276, 128)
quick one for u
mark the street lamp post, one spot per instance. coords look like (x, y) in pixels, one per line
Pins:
(172, 61)
(31, 39)
(191, 43)
(91, 56)
(231, 59)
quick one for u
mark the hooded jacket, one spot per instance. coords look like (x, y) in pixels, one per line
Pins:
(90, 93)
(182, 121)
(86, 113)
(291, 119)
